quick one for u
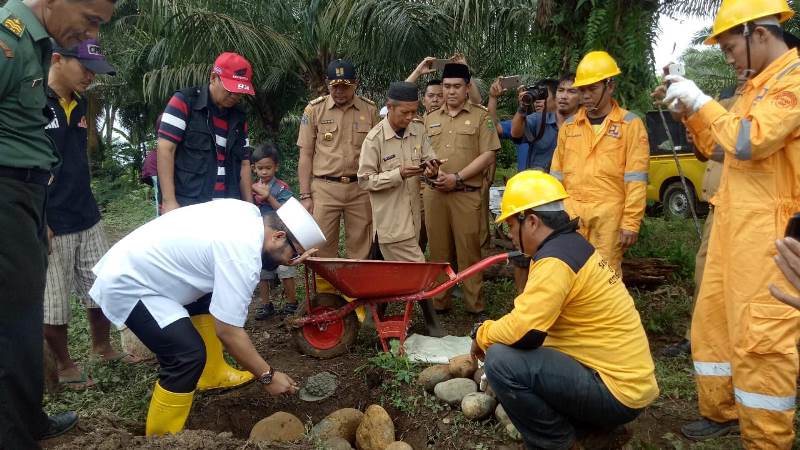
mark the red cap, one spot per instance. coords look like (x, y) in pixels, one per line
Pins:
(235, 72)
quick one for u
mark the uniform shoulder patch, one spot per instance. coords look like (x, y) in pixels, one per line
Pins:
(417, 119)
(374, 132)
(14, 25)
(480, 106)
(630, 116)
(367, 100)
(317, 100)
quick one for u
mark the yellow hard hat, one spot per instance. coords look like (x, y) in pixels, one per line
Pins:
(594, 67)
(733, 13)
(529, 189)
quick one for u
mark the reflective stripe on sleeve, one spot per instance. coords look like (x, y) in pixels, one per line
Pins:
(558, 175)
(635, 176)
(744, 149)
(763, 401)
(712, 369)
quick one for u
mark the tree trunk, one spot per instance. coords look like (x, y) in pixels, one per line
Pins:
(93, 144)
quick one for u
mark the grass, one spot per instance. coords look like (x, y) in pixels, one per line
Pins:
(122, 389)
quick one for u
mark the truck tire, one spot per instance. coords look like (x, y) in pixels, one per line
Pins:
(676, 201)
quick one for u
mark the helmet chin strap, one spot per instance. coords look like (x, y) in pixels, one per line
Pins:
(749, 72)
(520, 220)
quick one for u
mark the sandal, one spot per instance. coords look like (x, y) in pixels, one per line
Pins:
(78, 383)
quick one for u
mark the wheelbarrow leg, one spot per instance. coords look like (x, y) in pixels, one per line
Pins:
(383, 336)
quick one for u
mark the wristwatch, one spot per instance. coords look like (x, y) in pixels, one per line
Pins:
(474, 333)
(459, 181)
(266, 377)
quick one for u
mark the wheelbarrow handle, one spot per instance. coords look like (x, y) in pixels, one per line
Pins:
(479, 266)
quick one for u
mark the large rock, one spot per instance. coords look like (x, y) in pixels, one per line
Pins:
(132, 345)
(477, 406)
(376, 430)
(279, 427)
(434, 375)
(336, 443)
(341, 423)
(399, 445)
(453, 391)
(463, 366)
(501, 415)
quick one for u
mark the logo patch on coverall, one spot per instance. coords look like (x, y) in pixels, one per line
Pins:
(613, 131)
(785, 100)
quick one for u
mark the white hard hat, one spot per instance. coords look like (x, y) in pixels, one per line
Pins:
(301, 224)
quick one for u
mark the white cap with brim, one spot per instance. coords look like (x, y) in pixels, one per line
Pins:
(301, 224)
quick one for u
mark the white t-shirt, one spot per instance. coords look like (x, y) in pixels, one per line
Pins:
(179, 257)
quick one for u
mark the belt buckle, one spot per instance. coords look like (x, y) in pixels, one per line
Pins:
(345, 180)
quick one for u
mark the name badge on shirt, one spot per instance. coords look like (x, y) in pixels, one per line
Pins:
(613, 131)
(389, 158)
(326, 121)
(435, 125)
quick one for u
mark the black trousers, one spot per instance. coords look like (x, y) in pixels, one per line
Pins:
(178, 347)
(23, 272)
(550, 397)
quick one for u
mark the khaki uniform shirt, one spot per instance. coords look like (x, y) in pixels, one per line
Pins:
(462, 138)
(335, 133)
(396, 204)
(24, 63)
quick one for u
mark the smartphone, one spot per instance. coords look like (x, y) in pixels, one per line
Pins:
(440, 161)
(512, 82)
(438, 64)
(793, 227)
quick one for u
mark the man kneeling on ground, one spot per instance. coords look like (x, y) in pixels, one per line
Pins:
(572, 357)
(157, 281)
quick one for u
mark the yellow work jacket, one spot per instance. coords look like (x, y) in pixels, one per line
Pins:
(582, 306)
(760, 137)
(605, 167)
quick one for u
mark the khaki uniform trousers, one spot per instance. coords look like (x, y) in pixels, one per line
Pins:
(332, 200)
(700, 263)
(406, 250)
(453, 223)
(485, 239)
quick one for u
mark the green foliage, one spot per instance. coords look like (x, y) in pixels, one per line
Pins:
(399, 372)
(707, 67)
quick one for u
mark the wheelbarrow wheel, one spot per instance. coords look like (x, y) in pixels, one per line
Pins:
(330, 339)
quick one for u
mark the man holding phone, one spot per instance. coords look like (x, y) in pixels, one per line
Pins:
(744, 342)
(393, 156)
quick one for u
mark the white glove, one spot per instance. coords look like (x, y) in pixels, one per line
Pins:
(683, 96)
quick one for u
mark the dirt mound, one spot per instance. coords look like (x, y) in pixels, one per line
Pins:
(107, 432)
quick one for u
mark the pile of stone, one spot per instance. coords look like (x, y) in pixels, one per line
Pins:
(458, 384)
(344, 429)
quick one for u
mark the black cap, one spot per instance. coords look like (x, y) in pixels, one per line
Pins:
(89, 54)
(341, 72)
(455, 70)
(403, 91)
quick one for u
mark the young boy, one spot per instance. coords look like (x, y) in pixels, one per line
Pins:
(269, 193)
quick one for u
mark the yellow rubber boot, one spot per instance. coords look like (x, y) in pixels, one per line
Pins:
(168, 411)
(217, 374)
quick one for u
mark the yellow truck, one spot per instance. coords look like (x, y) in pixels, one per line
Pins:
(664, 184)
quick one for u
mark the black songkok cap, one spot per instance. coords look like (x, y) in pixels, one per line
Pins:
(454, 70)
(402, 91)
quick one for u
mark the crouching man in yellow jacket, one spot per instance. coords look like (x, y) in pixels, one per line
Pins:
(572, 356)
(744, 342)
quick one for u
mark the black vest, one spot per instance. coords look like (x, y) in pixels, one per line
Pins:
(196, 155)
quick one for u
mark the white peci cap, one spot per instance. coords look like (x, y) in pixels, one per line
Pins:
(298, 220)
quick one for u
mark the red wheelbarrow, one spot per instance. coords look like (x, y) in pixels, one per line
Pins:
(326, 324)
